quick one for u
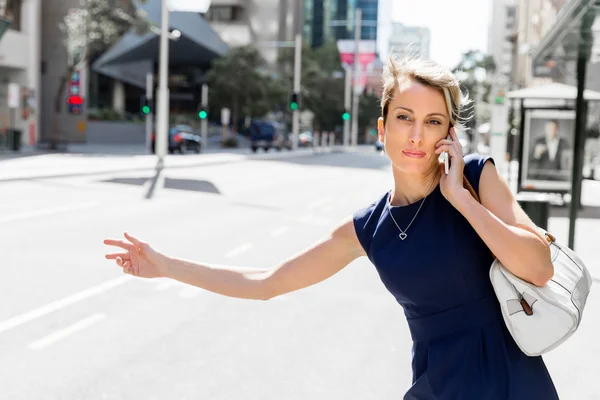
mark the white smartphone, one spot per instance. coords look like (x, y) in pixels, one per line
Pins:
(446, 158)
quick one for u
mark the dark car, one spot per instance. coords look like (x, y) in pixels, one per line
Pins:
(263, 134)
(181, 138)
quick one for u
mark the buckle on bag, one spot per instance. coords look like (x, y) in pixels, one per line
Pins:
(526, 307)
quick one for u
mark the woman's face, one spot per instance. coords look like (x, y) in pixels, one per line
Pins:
(417, 119)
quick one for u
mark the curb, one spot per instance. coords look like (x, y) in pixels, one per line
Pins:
(173, 162)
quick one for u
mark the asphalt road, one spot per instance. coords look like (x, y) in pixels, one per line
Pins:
(72, 326)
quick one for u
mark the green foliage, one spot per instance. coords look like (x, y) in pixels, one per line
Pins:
(369, 111)
(238, 81)
(322, 83)
(97, 25)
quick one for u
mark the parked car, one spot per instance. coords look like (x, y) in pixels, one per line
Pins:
(181, 138)
(305, 139)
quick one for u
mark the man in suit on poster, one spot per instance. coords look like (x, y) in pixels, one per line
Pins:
(550, 155)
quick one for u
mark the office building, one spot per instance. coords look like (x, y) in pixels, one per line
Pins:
(20, 68)
(413, 40)
(331, 20)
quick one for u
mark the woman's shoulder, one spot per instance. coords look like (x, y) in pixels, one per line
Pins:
(477, 160)
(367, 218)
(474, 163)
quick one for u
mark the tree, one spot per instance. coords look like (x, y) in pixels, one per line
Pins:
(89, 31)
(369, 111)
(472, 71)
(322, 83)
(238, 80)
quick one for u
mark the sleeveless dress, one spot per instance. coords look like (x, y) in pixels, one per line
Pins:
(439, 275)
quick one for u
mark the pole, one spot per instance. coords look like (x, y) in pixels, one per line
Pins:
(297, 70)
(580, 121)
(163, 86)
(149, 117)
(357, 33)
(204, 122)
(347, 105)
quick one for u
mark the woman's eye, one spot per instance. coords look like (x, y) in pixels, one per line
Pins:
(403, 117)
(435, 122)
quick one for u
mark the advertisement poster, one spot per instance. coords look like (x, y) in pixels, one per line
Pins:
(548, 150)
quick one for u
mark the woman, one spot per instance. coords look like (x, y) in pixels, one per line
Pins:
(430, 241)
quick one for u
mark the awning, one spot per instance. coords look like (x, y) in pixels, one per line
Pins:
(561, 42)
(198, 45)
(552, 91)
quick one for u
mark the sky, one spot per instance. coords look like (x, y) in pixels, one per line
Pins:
(455, 25)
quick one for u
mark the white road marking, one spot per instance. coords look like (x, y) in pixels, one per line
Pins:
(239, 250)
(48, 211)
(319, 202)
(57, 305)
(279, 231)
(189, 292)
(63, 333)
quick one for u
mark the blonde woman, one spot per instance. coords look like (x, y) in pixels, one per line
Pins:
(430, 241)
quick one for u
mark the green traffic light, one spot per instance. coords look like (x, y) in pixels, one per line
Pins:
(346, 116)
(294, 106)
(146, 109)
(202, 114)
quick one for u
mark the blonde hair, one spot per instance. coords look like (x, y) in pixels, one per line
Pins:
(426, 73)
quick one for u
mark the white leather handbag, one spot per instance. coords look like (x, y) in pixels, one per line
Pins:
(541, 318)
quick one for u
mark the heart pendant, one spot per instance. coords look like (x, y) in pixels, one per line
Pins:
(403, 236)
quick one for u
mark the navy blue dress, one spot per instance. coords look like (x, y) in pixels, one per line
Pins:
(439, 275)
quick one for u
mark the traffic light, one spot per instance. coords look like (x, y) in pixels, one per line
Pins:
(202, 114)
(146, 106)
(294, 101)
(499, 98)
(346, 116)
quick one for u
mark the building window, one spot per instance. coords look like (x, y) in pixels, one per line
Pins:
(13, 12)
(224, 14)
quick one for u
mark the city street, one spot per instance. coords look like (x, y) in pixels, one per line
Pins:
(73, 326)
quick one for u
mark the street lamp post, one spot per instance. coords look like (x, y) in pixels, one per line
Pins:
(356, 94)
(162, 117)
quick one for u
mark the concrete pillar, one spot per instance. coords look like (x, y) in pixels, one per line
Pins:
(118, 97)
(32, 18)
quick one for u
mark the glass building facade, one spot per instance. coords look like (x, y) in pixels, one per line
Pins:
(330, 20)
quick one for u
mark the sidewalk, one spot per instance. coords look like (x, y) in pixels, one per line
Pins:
(99, 159)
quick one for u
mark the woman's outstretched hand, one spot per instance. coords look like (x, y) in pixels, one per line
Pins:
(138, 258)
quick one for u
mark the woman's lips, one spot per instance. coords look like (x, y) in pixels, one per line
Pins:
(414, 153)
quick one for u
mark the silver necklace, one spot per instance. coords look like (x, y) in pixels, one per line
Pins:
(403, 234)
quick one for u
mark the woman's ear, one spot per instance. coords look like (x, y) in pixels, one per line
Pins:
(380, 129)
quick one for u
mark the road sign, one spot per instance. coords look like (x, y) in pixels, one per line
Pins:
(14, 95)
(225, 116)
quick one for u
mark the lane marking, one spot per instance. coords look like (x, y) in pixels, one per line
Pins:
(49, 211)
(239, 250)
(63, 333)
(279, 231)
(189, 292)
(57, 305)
